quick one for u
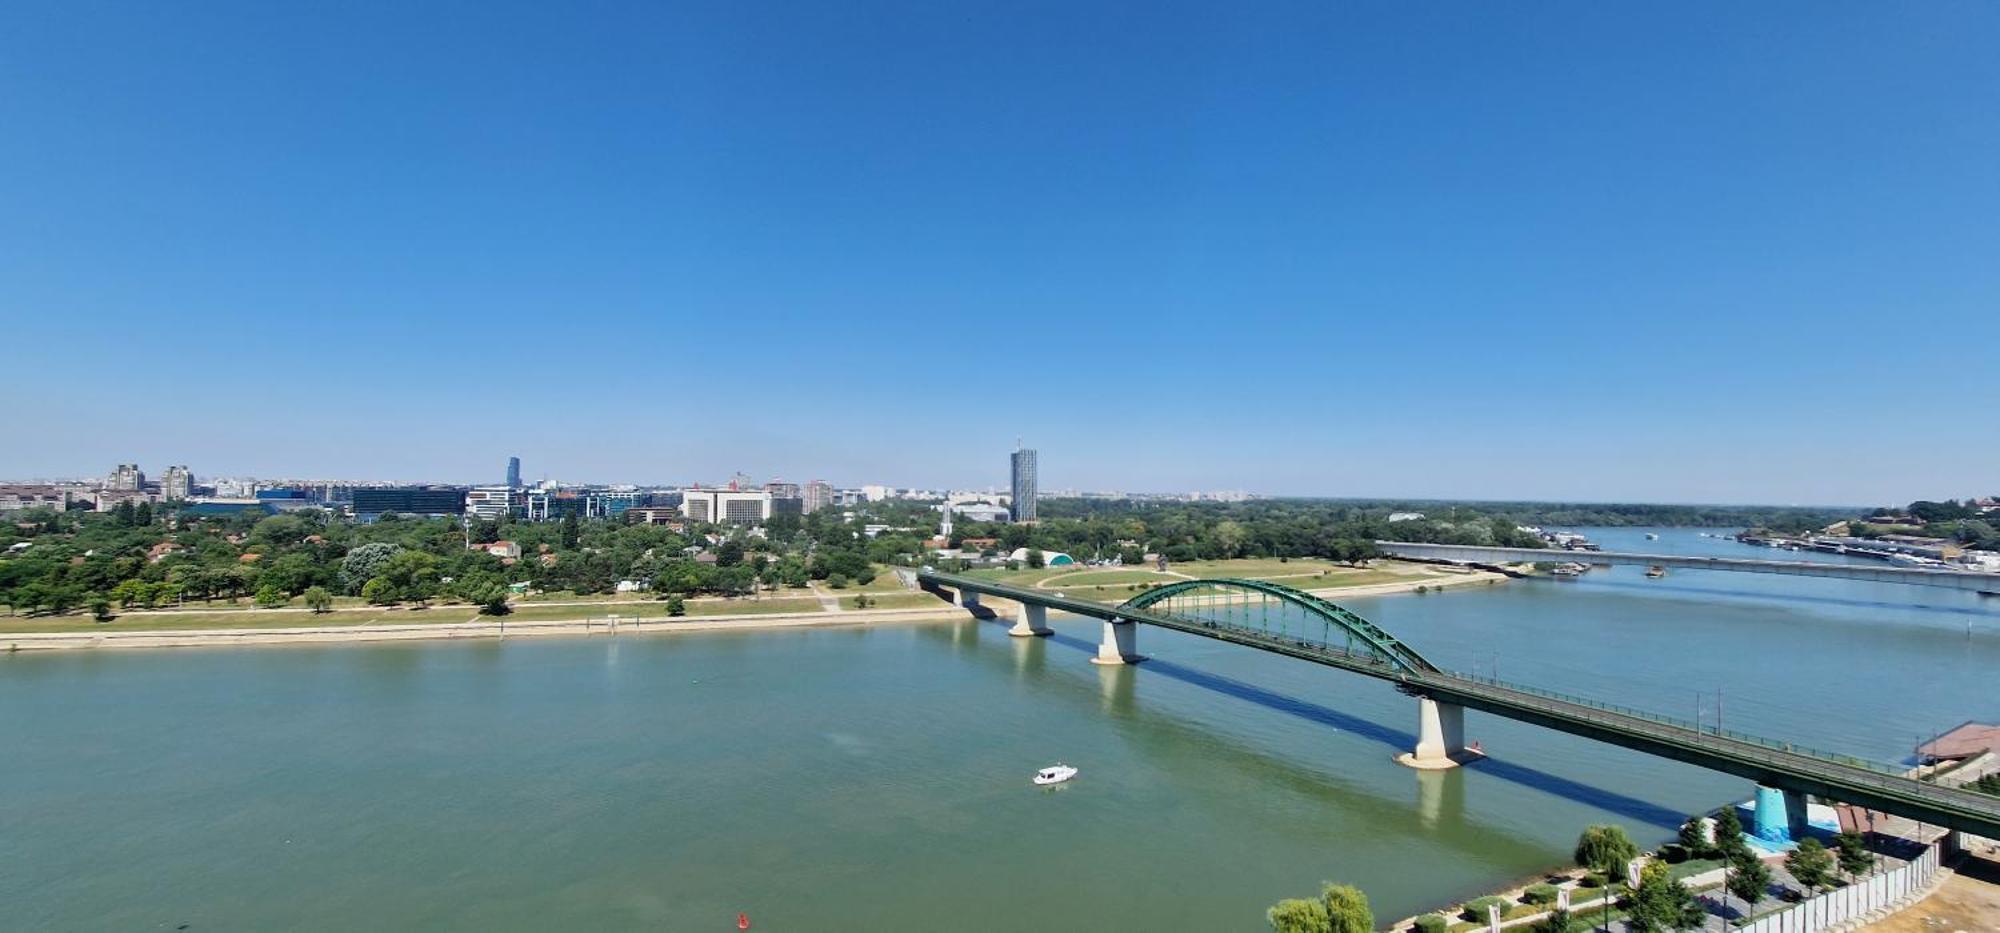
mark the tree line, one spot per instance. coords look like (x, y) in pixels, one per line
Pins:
(137, 557)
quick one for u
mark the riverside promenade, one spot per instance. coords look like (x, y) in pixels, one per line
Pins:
(652, 623)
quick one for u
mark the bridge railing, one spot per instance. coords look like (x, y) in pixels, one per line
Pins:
(1792, 748)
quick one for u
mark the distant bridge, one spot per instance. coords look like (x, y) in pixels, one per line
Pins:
(1988, 583)
(1282, 620)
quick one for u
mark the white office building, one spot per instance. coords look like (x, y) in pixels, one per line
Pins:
(490, 502)
(726, 506)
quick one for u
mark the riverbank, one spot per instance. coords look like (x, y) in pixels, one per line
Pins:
(173, 628)
(475, 627)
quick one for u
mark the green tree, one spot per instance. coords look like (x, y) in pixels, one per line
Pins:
(318, 599)
(1299, 915)
(1556, 921)
(1347, 909)
(571, 531)
(1855, 859)
(364, 563)
(1035, 559)
(1605, 849)
(413, 575)
(492, 598)
(269, 596)
(1749, 880)
(729, 553)
(63, 598)
(1339, 908)
(32, 596)
(1729, 835)
(1692, 838)
(485, 531)
(1663, 903)
(100, 608)
(1811, 864)
(676, 606)
(379, 592)
(1229, 536)
(164, 592)
(132, 593)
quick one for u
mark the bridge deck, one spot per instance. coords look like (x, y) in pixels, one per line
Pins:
(1917, 576)
(1772, 763)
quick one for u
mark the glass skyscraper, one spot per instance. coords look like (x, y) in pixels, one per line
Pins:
(1023, 508)
(513, 472)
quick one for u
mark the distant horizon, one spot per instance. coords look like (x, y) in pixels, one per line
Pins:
(1056, 493)
(1559, 252)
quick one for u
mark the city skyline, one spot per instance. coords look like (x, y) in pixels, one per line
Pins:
(1475, 253)
(124, 475)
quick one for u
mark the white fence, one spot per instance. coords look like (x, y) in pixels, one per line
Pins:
(1855, 901)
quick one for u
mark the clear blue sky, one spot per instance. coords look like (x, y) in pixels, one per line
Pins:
(1691, 252)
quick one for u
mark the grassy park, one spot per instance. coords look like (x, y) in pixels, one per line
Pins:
(885, 591)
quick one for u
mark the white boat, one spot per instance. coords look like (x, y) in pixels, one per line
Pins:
(1055, 774)
(1652, 537)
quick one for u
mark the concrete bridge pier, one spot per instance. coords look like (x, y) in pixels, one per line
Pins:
(1119, 644)
(1440, 737)
(968, 599)
(1032, 620)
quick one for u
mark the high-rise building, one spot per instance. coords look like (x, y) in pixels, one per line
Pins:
(819, 495)
(513, 472)
(177, 483)
(126, 477)
(1024, 484)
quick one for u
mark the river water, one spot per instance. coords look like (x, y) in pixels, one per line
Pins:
(876, 779)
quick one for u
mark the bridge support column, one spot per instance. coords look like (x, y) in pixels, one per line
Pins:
(1119, 645)
(968, 599)
(1440, 737)
(1780, 816)
(1033, 620)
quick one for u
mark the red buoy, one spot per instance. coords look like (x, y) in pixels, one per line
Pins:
(742, 921)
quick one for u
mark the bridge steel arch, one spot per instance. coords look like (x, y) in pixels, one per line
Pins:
(1361, 637)
(1443, 696)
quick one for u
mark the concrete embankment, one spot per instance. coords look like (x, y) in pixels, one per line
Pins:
(474, 628)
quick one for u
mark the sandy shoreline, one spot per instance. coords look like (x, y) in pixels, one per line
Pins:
(481, 628)
(487, 627)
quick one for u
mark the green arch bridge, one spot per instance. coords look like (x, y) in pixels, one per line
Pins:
(1272, 617)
